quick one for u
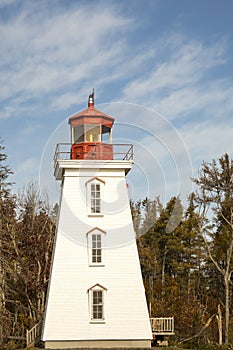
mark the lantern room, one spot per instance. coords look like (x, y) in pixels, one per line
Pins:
(91, 133)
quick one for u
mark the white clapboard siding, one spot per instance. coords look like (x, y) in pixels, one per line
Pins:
(125, 308)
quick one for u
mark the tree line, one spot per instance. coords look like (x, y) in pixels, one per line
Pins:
(186, 256)
(27, 227)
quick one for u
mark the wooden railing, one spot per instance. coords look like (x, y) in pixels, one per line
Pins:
(34, 334)
(162, 325)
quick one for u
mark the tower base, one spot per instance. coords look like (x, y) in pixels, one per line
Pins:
(101, 344)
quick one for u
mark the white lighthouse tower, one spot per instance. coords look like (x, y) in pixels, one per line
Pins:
(96, 297)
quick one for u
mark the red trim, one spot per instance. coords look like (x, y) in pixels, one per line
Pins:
(101, 120)
(90, 112)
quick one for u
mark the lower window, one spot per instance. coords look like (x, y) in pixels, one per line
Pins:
(97, 305)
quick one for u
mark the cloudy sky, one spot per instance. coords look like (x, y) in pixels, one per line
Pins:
(162, 68)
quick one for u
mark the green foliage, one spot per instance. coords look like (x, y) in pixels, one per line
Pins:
(174, 267)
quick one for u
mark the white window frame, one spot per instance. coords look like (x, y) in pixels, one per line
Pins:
(94, 196)
(93, 308)
(96, 250)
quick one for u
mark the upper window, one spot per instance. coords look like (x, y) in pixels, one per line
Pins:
(95, 198)
(94, 195)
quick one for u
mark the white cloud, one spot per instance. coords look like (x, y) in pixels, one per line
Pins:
(51, 56)
(207, 140)
(4, 3)
(44, 55)
(179, 84)
(30, 129)
(25, 171)
(184, 66)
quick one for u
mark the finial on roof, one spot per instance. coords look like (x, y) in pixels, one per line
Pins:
(91, 101)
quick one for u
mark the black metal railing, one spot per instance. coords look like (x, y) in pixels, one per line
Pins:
(119, 152)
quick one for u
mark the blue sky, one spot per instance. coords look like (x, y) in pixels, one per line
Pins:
(162, 68)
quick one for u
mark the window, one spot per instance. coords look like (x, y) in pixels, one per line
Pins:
(97, 303)
(106, 132)
(78, 134)
(95, 245)
(94, 196)
(96, 248)
(93, 133)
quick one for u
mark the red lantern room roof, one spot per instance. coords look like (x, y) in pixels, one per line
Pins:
(91, 115)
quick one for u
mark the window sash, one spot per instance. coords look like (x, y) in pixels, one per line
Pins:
(97, 305)
(96, 248)
(95, 198)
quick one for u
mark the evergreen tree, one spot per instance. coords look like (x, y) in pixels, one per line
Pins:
(160, 251)
(166, 232)
(194, 255)
(136, 215)
(172, 259)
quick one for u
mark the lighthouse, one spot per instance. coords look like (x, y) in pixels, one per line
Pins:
(96, 297)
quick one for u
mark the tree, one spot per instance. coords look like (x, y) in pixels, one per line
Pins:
(215, 198)
(6, 222)
(194, 254)
(167, 235)
(172, 257)
(160, 250)
(27, 228)
(35, 236)
(135, 208)
(26, 243)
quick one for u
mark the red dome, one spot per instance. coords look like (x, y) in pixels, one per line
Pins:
(91, 115)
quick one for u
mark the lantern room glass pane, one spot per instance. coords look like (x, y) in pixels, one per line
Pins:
(105, 134)
(93, 133)
(78, 134)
